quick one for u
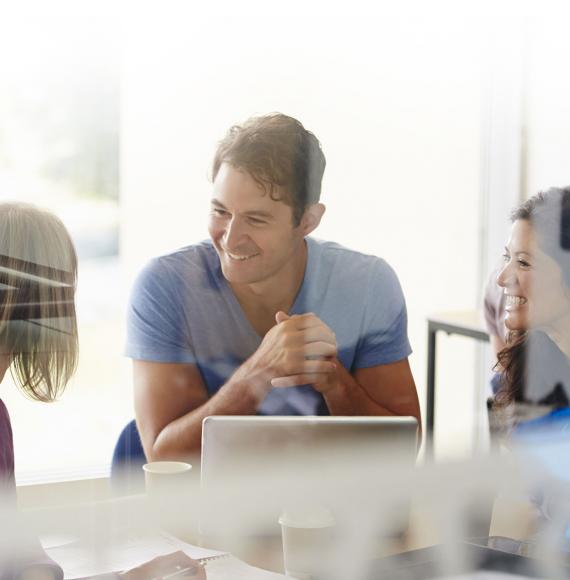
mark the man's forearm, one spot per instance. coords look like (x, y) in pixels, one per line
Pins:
(347, 397)
(240, 395)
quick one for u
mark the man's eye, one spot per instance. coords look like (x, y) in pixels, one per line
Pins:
(256, 221)
(524, 263)
(219, 212)
(506, 257)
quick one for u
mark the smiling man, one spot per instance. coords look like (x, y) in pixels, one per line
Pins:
(262, 318)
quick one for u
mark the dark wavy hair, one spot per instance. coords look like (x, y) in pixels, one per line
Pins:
(549, 214)
(280, 154)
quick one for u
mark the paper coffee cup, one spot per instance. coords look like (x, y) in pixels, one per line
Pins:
(307, 538)
(169, 489)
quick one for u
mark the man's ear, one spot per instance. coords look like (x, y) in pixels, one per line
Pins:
(312, 218)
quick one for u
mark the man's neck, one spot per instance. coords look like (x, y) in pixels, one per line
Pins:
(263, 299)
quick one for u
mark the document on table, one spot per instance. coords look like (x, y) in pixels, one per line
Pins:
(80, 561)
(488, 575)
(231, 568)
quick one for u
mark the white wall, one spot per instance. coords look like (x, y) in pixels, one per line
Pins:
(548, 102)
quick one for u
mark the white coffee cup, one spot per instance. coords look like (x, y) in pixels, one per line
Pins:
(169, 489)
(307, 538)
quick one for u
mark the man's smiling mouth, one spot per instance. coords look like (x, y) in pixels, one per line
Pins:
(237, 258)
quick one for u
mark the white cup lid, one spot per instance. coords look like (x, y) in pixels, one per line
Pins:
(167, 467)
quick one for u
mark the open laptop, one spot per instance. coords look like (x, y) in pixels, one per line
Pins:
(254, 467)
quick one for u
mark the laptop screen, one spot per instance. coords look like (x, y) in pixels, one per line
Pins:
(255, 467)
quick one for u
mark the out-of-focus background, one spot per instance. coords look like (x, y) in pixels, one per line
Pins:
(435, 118)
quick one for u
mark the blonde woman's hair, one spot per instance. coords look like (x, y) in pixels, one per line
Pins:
(38, 277)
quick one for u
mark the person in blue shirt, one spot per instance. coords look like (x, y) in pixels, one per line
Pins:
(535, 278)
(262, 318)
(531, 407)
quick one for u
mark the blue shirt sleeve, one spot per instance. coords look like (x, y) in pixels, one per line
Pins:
(156, 327)
(385, 336)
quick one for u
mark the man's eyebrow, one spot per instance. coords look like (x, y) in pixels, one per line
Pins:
(259, 213)
(253, 213)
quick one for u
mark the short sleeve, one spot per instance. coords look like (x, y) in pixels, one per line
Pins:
(384, 338)
(156, 329)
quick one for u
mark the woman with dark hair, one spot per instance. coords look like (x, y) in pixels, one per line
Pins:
(38, 343)
(535, 364)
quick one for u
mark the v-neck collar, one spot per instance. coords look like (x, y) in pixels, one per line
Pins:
(297, 302)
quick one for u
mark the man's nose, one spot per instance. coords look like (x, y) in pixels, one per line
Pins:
(233, 234)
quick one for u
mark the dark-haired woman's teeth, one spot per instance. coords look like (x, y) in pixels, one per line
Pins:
(515, 300)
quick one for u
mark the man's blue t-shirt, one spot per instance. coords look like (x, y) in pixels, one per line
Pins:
(182, 310)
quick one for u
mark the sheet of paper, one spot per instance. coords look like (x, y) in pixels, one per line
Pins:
(233, 569)
(80, 560)
(487, 575)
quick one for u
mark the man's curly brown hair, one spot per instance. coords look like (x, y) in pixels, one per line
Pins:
(280, 155)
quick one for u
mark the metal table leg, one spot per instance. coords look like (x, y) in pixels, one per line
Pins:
(430, 406)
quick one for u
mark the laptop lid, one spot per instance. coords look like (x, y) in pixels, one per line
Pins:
(253, 466)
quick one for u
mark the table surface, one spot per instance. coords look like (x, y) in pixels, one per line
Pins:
(469, 319)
